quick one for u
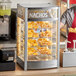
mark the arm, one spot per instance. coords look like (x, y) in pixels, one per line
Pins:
(61, 25)
(63, 19)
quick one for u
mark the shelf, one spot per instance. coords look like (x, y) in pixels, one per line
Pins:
(40, 28)
(39, 37)
(46, 19)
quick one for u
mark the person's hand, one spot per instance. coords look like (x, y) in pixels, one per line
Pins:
(61, 25)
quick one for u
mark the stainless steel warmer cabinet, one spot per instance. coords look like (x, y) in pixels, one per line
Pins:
(38, 36)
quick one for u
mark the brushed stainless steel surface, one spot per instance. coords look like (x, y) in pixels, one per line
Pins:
(46, 19)
(37, 64)
(20, 62)
(26, 39)
(58, 41)
(42, 64)
(68, 4)
(68, 59)
(8, 44)
(4, 25)
(38, 5)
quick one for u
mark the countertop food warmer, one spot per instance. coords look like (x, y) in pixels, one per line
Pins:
(38, 36)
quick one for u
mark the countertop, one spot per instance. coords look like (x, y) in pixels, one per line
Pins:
(48, 72)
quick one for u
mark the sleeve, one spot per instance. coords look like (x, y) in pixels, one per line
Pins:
(64, 17)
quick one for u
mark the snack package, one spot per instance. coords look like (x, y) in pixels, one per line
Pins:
(30, 25)
(73, 30)
(32, 51)
(31, 33)
(45, 24)
(32, 42)
(33, 25)
(46, 34)
(44, 41)
(44, 50)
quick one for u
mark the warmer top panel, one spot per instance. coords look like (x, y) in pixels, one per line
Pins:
(37, 5)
